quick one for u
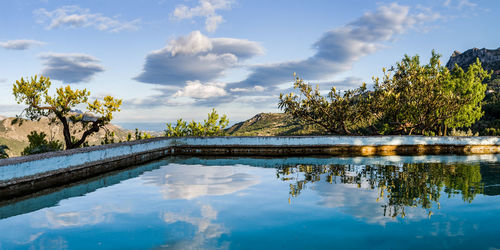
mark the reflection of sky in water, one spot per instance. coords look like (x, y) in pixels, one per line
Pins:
(217, 207)
(179, 182)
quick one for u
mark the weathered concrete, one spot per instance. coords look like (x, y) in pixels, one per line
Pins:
(24, 175)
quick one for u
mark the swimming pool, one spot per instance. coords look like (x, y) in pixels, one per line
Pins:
(268, 203)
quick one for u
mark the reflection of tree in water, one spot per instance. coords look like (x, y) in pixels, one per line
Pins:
(405, 185)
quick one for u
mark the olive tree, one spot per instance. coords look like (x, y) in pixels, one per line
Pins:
(34, 93)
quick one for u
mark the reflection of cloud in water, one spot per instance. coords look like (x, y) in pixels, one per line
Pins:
(93, 216)
(206, 228)
(192, 181)
(361, 202)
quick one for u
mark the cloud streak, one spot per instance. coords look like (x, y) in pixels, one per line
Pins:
(206, 9)
(22, 44)
(70, 68)
(76, 17)
(338, 49)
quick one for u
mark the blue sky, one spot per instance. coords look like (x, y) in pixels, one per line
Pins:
(168, 59)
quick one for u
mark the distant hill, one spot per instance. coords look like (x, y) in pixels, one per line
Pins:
(15, 136)
(271, 124)
(490, 59)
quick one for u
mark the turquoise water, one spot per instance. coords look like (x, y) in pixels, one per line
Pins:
(420, 202)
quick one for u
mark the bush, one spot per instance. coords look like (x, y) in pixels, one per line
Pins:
(38, 144)
(3, 154)
(212, 126)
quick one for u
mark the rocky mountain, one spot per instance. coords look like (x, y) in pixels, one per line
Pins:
(15, 136)
(271, 124)
(490, 59)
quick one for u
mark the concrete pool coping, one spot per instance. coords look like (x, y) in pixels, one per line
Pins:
(27, 174)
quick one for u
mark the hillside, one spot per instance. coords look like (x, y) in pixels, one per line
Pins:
(15, 136)
(271, 124)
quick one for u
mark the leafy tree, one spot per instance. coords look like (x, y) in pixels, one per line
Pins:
(3, 153)
(38, 144)
(337, 113)
(35, 94)
(409, 99)
(212, 126)
(399, 187)
(429, 98)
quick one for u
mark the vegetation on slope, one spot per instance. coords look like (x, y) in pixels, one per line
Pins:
(15, 136)
(272, 124)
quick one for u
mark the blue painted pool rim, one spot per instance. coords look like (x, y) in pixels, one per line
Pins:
(24, 175)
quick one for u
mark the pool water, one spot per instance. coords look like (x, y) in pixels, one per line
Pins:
(431, 202)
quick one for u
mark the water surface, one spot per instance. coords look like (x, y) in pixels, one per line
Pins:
(269, 203)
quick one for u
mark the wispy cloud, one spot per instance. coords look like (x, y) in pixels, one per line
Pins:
(460, 4)
(338, 49)
(70, 68)
(22, 44)
(76, 17)
(206, 9)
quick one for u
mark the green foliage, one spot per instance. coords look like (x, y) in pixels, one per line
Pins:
(492, 131)
(38, 144)
(141, 135)
(212, 126)
(3, 153)
(337, 113)
(109, 138)
(35, 94)
(402, 186)
(273, 124)
(426, 99)
(409, 99)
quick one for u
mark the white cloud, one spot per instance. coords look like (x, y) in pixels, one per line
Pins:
(206, 228)
(191, 44)
(212, 22)
(243, 90)
(70, 68)
(195, 57)
(75, 17)
(206, 9)
(22, 44)
(198, 90)
(90, 216)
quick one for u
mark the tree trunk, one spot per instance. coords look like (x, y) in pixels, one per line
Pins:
(66, 132)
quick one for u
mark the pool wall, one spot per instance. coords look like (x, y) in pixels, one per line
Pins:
(24, 175)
